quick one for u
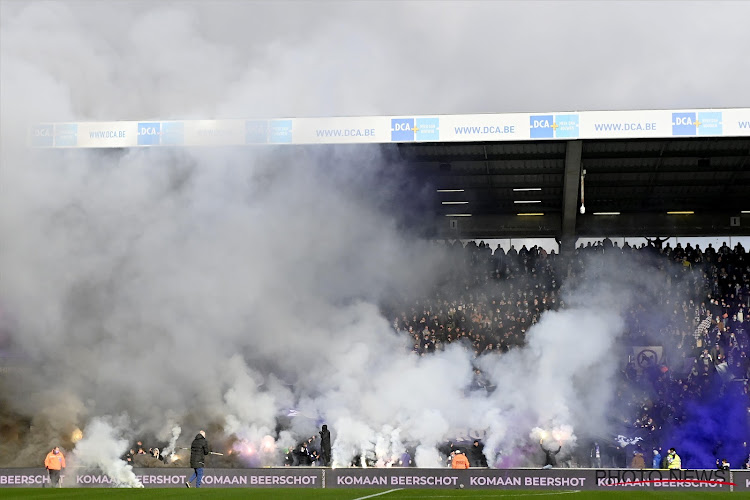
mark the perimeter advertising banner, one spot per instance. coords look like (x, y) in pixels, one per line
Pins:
(636, 124)
(406, 478)
(630, 479)
(372, 130)
(168, 477)
(507, 479)
(214, 132)
(24, 478)
(531, 479)
(99, 135)
(741, 479)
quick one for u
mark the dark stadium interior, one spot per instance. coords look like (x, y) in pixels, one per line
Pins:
(640, 179)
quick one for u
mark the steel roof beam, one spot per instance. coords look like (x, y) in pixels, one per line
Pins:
(571, 183)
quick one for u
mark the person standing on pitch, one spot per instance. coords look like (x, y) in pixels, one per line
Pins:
(54, 463)
(198, 451)
(325, 445)
(656, 464)
(459, 460)
(596, 456)
(549, 455)
(673, 460)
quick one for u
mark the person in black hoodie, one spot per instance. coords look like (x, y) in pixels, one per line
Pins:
(198, 451)
(549, 455)
(325, 445)
(476, 454)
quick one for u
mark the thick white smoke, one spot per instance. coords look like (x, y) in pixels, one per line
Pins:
(220, 288)
(100, 450)
(175, 435)
(200, 59)
(168, 264)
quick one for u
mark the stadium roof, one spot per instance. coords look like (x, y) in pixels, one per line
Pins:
(628, 188)
(639, 167)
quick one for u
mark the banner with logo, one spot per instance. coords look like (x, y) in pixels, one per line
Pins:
(643, 124)
(372, 130)
(167, 477)
(648, 356)
(633, 479)
(510, 479)
(741, 480)
(407, 478)
(531, 479)
(106, 135)
(24, 478)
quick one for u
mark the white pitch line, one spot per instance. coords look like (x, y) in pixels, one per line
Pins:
(378, 494)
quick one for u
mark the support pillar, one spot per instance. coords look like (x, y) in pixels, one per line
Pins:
(571, 182)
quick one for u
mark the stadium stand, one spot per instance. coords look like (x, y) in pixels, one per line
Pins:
(496, 297)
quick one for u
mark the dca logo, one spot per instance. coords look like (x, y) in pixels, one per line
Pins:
(42, 135)
(411, 129)
(149, 133)
(704, 123)
(553, 126)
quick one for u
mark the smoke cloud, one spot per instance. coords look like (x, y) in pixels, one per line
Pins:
(176, 430)
(191, 59)
(101, 449)
(159, 292)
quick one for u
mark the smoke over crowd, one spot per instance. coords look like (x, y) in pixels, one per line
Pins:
(222, 289)
(159, 292)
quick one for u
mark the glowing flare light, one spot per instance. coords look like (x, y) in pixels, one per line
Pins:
(76, 436)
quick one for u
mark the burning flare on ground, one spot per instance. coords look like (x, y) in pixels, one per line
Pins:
(76, 435)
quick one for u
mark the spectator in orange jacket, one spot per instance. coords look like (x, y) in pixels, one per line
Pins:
(54, 463)
(460, 461)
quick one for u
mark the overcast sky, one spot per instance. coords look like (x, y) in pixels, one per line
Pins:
(140, 60)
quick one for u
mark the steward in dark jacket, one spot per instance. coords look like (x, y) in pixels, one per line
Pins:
(198, 451)
(325, 445)
(476, 455)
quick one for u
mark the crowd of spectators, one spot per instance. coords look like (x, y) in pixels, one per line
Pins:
(699, 318)
(306, 452)
(138, 456)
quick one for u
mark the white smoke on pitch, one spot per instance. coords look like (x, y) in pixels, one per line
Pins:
(354, 444)
(175, 435)
(388, 447)
(100, 449)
